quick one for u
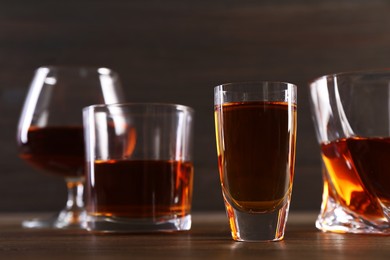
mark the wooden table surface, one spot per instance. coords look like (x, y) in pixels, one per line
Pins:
(208, 239)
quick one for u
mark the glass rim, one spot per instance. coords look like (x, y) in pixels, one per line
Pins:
(140, 104)
(275, 91)
(102, 70)
(350, 73)
(253, 83)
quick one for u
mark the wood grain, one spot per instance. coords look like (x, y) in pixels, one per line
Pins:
(208, 239)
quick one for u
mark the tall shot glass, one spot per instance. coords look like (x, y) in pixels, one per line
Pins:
(139, 167)
(256, 133)
(351, 114)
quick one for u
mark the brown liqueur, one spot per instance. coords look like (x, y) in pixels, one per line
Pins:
(140, 188)
(256, 147)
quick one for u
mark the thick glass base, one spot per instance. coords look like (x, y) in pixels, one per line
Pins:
(257, 227)
(107, 224)
(64, 220)
(334, 218)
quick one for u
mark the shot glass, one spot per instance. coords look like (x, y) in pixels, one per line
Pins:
(139, 167)
(256, 133)
(352, 121)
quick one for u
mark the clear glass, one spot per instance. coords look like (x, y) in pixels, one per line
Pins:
(140, 169)
(50, 131)
(256, 133)
(352, 121)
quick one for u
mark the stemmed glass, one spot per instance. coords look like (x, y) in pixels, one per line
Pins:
(50, 133)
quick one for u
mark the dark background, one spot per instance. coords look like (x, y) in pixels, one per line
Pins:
(177, 51)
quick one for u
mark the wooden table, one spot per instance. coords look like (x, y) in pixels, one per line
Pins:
(208, 239)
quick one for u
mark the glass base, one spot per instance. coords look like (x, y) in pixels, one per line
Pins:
(108, 224)
(257, 227)
(64, 220)
(335, 218)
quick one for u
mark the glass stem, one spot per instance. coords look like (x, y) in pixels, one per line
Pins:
(75, 200)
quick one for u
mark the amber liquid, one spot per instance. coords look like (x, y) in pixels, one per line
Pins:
(55, 149)
(140, 189)
(256, 151)
(358, 172)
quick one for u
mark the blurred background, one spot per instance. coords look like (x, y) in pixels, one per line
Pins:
(176, 51)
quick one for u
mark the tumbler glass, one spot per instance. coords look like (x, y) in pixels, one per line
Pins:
(256, 132)
(139, 167)
(351, 114)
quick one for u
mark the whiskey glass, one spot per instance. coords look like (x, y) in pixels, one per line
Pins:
(351, 113)
(139, 167)
(50, 132)
(255, 125)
